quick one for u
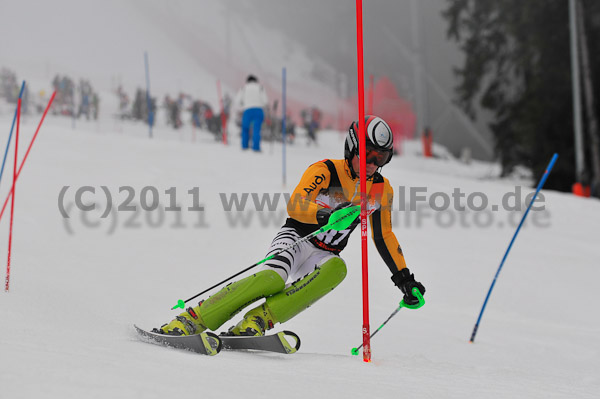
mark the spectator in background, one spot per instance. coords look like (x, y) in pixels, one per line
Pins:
(85, 91)
(226, 105)
(138, 105)
(9, 89)
(311, 118)
(140, 109)
(95, 106)
(173, 109)
(195, 110)
(252, 99)
(24, 100)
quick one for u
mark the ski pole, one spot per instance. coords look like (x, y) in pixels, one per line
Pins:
(339, 220)
(539, 187)
(11, 132)
(10, 193)
(415, 292)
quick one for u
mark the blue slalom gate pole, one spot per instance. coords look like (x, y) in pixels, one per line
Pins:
(283, 113)
(148, 101)
(539, 187)
(11, 131)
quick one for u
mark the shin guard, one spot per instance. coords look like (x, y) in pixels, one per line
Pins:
(306, 291)
(229, 301)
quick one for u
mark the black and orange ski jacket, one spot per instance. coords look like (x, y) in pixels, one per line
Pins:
(328, 183)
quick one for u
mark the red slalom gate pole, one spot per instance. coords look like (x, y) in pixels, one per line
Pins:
(12, 205)
(222, 112)
(27, 154)
(363, 183)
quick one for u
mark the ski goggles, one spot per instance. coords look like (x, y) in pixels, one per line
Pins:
(378, 157)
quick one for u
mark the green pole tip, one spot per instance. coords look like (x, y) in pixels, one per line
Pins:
(355, 351)
(180, 304)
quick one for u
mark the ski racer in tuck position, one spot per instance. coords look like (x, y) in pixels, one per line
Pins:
(314, 266)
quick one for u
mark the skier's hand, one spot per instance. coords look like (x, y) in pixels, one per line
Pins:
(406, 282)
(323, 214)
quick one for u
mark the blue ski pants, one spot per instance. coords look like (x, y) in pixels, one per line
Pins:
(254, 116)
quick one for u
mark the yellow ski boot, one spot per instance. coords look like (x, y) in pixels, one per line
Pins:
(187, 323)
(254, 323)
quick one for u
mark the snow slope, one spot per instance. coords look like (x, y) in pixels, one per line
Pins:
(77, 285)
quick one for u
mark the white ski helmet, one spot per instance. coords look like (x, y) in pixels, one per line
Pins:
(379, 138)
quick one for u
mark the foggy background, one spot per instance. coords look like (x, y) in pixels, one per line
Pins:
(192, 42)
(403, 39)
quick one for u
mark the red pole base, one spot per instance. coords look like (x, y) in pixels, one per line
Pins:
(366, 343)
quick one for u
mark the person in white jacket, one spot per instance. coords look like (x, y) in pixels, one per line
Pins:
(252, 99)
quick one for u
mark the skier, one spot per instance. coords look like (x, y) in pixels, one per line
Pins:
(252, 99)
(314, 266)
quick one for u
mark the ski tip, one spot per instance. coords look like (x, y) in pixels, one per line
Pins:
(288, 348)
(213, 343)
(205, 343)
(139, 330)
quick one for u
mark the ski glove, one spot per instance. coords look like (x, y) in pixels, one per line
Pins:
(406, 282)
(323, 214)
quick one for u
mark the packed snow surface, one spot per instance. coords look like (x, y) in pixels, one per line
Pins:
(78, 284)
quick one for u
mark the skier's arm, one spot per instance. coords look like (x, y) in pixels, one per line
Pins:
(301, 205)
(385, 240)
(389, 249)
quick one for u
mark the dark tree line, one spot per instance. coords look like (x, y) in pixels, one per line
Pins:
(517, 65)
